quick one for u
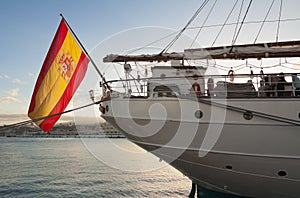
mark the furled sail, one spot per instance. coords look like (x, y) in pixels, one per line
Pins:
(143, 57)
(258, 51)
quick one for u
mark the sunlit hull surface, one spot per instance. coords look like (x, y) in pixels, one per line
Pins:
(216, 147)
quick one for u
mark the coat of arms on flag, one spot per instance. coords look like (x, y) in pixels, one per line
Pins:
(66, 66)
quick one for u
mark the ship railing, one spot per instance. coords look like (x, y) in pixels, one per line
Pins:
(238, 85)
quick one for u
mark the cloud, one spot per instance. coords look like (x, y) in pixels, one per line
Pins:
(9, 99)
(30, 74)
(17, 81)
(13, 92)
(11, 96)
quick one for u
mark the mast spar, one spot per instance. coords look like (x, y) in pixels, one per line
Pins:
(258, 51)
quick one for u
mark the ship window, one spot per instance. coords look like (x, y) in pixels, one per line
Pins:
(228, 167)
(299, 115)
(248, 115)
(167, 90)
(198, 114)
(107, 108)
(282, 173)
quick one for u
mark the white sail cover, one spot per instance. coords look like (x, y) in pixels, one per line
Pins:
(262, 50)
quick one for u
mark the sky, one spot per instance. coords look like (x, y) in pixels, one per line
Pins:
(28, 27)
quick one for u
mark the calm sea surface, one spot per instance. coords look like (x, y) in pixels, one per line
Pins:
(49, 167)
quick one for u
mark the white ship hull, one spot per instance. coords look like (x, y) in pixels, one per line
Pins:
(220, 149)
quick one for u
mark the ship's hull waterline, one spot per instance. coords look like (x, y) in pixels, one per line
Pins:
(216, 147)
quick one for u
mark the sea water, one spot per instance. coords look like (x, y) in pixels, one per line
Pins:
(64, 167)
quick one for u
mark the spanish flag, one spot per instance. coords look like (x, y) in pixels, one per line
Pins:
(63, 70)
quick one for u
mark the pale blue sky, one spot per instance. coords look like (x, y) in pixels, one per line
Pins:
(28, 27)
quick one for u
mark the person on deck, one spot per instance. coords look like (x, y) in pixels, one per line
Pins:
(296, 84)
(280, 85)
(210, 86)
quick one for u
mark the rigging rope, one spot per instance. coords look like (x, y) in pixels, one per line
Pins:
(287, 64)
(153, 42)
(238, 19)
(18, 124)
(243, 110)
(224, 23)
(204, 22)
(118, 74)
(242, 23)
(246, 22)
(263, 22)
(185, 27)
(278, 25)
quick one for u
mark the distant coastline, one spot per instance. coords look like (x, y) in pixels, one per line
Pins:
(64, 130)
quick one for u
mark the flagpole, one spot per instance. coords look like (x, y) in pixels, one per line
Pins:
(82, 47)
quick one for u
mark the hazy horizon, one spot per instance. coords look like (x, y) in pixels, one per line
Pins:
(6, 119)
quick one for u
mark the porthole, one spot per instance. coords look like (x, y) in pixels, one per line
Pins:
(229, 167)
(107, 108)
(299, 115)
(282, 173)
(198, 114)
(248, 115)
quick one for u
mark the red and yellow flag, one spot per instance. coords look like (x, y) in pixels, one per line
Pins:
(63, 70)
